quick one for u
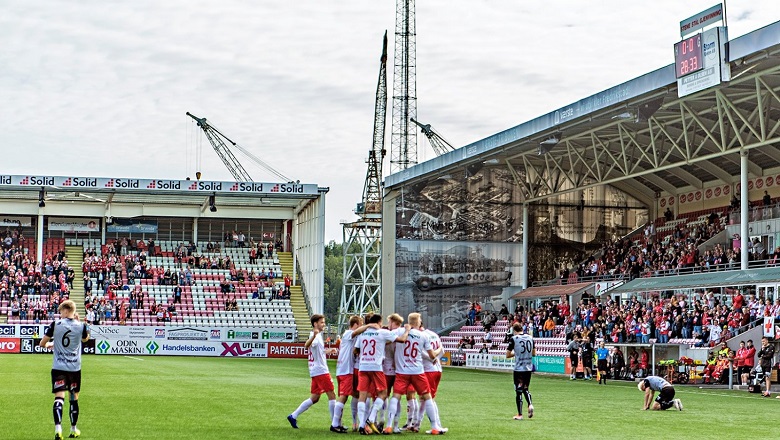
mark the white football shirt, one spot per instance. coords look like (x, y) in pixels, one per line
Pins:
(372, 348)
(346, 362)
(428, 365)
(408, 355)
(317, 364)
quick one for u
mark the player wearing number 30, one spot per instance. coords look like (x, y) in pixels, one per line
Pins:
(521, 347)
(410, 374)
(65, 337)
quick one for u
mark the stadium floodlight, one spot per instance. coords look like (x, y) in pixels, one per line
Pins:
(548, 144)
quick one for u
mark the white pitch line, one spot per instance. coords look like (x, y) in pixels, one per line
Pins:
(130, 357)
(718, 394)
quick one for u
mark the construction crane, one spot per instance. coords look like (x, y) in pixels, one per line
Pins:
(438, 143)
(403, 137)
(217, 140)
(362, 239)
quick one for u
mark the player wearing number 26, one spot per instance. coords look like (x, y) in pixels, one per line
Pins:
(65, 337)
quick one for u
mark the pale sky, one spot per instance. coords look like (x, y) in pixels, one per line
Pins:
(97, 88)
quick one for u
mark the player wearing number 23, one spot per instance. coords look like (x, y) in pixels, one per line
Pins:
(521, 347)
(65, 337)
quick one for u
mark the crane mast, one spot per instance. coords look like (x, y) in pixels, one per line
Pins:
(224, 153)
(372, 191)
(361, 290)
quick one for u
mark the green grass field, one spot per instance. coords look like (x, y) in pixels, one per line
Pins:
(218, 398)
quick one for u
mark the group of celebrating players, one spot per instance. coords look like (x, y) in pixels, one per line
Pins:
(374, 363)
(398, 360)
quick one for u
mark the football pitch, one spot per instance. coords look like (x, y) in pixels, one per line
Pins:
(219, 398)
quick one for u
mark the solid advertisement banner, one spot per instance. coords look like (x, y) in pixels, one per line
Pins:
(157, 185)
(8, 221)
(74, 224)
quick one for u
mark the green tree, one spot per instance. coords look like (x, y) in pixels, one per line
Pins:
(334, 262)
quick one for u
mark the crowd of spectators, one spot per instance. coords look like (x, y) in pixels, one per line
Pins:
(31, 290)
(128, 260)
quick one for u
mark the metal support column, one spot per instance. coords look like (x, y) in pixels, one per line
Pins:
(524, 255)
(743, 209)
(39, 239)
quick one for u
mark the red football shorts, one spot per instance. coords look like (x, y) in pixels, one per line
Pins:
(406, 382)
(345, 384)
(371, 382)
(321, 384)
(434, 377)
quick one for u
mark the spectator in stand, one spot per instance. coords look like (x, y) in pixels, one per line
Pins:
(488, 338)
(177, 294)
(767, 199)
(484, 349)
(668, 215)
(749, 361)
(549, 326)
(504, 312)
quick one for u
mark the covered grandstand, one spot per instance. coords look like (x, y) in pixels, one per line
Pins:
(140, 240)
(596, 171)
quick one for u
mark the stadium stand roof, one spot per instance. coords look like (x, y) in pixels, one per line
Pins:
(639, 136)
(702, 280)
(555, 291)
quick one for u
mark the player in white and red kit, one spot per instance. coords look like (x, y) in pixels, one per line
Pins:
(345, 369)
(410, 375)
(432, 369)
(321, 382)
(395, 324)
(371, 345)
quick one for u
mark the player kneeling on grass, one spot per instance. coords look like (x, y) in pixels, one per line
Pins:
(665, 399)
(521, 347)
(65, 336)
(321, 382)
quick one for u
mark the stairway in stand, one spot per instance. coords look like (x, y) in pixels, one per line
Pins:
(75, 256)
(297, 302)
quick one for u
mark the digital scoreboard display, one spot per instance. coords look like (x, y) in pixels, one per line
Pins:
(688, 56)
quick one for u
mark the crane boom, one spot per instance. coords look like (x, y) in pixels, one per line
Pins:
(372, 193)
(224, 153)
(439, 144)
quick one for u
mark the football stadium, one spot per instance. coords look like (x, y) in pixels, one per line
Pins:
(610, 269)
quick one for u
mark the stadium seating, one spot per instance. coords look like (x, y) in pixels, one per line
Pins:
(202, 301)
(554, 346)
